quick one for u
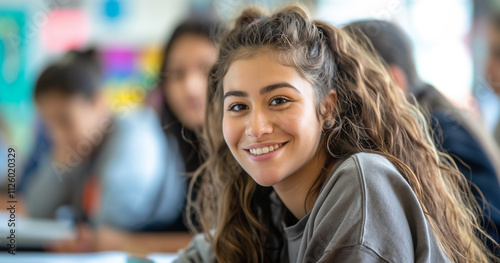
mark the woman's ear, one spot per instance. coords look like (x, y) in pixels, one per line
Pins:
(328, 105)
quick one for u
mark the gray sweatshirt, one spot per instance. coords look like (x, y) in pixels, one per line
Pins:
(365, 212)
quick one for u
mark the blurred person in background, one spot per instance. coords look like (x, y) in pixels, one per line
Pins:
(182, 85)
(493, 60)
(105, 170)
(180, 100)
(187, 59)
(472, 149)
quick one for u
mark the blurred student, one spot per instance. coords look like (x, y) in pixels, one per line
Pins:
(470, 147)
(182, 88)
(104, 170)
(493, 60)
(315, 155)
(188, 57)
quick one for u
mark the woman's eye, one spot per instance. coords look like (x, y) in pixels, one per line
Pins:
(238, 107)
(278, 101)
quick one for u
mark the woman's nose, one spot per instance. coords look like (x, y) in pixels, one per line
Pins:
(258, 124)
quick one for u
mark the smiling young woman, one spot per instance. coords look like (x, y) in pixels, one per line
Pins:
(269, 105)
(314, 155)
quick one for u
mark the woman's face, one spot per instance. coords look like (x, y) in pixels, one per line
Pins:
(270, 122)
(190, 58)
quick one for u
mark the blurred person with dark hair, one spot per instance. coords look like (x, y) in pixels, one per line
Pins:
(180, 100)
(105, 170)
(471, 148)
(493, 60)
(187, 58)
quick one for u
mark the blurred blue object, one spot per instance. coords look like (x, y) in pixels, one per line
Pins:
(112, 8)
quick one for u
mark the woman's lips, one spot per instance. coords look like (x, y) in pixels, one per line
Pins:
(265, 151)
(260, 145)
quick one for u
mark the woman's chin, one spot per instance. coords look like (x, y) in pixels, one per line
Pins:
(266, 179)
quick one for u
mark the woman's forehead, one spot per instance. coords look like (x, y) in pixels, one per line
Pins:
(258, 70)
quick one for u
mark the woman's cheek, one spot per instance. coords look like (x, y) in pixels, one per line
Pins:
(294, 120)
(229, 131)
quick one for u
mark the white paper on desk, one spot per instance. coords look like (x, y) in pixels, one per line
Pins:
(162, 257)
(32, 232)
(30, 257)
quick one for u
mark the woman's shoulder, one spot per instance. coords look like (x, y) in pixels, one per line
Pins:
(366, 179)
(358, 183)
(367, 202)
(369, 168)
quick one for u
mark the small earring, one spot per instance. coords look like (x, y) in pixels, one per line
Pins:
(328, 124)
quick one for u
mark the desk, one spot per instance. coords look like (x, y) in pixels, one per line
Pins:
(101, 257)
(34, 232)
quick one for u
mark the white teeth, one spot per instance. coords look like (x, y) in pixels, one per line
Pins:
(264, 150)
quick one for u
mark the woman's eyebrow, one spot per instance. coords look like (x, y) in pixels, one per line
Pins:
(263, 90)
(236, 93)
(272, 87)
